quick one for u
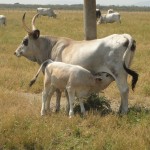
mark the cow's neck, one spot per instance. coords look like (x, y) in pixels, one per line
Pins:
(43, 50)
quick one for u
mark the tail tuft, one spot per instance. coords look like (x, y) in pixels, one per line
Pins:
(134, 80)
(32, 82)
(133, 74)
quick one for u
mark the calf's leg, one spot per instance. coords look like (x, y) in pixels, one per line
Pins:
(44, 100)
(67, 102)
(46, 97)
(71, 94)
(58, 97)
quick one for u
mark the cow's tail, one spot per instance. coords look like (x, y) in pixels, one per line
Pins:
(127, 58)
(42, 67)
(133, 74)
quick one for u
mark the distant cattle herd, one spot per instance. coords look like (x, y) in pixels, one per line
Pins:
(41, 11)
(109, 17)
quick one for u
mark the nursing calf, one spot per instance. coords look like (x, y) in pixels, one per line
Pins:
(77, 80)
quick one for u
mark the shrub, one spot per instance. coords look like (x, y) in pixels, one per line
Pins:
(95, 104)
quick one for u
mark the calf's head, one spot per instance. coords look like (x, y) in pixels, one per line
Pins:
(102, 80)
(29, 43)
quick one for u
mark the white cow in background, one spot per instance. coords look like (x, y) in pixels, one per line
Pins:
(110, 11)
(46, 12)
(2, 20)
(109, 18)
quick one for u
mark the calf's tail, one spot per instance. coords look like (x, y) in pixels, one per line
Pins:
(42, 67)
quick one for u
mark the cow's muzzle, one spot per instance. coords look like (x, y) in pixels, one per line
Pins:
(17, 54)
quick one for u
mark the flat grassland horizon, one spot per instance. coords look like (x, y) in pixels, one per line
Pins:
(22, 127)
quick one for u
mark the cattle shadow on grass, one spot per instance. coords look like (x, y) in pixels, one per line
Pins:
(101, 106)
(95, 104)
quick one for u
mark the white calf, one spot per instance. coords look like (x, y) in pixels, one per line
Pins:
(77, 80)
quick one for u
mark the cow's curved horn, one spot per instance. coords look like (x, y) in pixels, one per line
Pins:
(24, 24)
(33, 22)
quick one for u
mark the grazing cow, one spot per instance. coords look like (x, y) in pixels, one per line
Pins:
(110, 11)
(112, 54)
(109, 18)
(2, 20)
(98, 13)
(77, 80)
(46, 12)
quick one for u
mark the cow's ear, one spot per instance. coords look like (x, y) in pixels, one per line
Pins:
(36, 34)
(98, 78)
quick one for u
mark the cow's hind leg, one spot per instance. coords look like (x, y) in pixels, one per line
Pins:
(124, 91)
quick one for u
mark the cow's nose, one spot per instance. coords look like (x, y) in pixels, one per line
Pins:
(14, 53)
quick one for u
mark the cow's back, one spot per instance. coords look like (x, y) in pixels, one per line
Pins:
(112, 17)
(93, 54)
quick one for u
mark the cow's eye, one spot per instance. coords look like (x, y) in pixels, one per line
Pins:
(25, 42)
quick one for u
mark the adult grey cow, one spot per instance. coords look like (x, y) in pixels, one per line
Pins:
(112, 54)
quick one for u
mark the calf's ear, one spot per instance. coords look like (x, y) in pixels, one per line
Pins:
(98, 78)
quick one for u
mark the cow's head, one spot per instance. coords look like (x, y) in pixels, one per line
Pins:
(28, 44)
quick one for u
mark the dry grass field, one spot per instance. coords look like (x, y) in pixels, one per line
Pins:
(22, 127)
